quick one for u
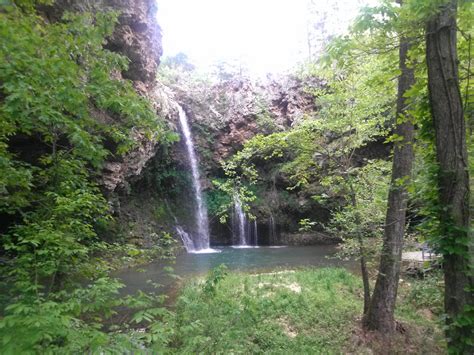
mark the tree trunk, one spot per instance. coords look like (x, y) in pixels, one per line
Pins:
(363, 261)
(380, 316)
(451, 155)
(365, 277)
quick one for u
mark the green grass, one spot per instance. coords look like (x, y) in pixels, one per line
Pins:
(300, 312)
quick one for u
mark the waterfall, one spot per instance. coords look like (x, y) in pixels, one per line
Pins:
(201, 240)
(185, 238)
(240, 220)
(187, 241)
(272, 230)
(244, 232)
(255, 232)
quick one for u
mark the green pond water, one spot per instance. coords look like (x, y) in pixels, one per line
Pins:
(261, 259)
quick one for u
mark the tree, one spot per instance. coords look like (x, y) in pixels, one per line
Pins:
(320, 156)
(380, 315)
(360, 221)
(180, 61)
(453, 174)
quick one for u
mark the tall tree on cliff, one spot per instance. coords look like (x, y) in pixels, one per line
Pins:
(453, 174)
(380, 315)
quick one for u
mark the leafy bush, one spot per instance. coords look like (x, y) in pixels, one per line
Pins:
(59, 93)
(215, 276)
(427, 293)
(218, 200)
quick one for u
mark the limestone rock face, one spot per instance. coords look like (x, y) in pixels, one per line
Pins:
(239, 108)
(118, 173)
(137, 36)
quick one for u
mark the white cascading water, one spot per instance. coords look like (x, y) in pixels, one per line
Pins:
(255, 231)
(272, 230)
(242, 228)
(241, 221)
(185, 238)
(200, 242)
(187, 241)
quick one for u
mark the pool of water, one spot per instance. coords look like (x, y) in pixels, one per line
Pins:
(259, 259)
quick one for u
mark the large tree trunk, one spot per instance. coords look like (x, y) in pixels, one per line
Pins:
(382, 306)
(451, 153)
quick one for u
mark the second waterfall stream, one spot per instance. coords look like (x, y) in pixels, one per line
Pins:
(245, 234)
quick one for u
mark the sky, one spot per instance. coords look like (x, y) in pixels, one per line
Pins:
(266, 36)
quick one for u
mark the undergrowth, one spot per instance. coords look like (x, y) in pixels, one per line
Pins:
(299, 312)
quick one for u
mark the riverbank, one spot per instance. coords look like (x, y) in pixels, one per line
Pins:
(294, 311)
(262, 259)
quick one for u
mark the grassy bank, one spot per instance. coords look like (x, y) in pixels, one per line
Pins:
(305, 311)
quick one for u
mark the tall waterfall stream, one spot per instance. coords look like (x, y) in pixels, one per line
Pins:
(198, 242)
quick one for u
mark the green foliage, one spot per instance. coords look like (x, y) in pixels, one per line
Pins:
(160, 213)
(306, 225)
(229, 189)
(56, 237)
(27, 6)
(355, 107)
(365, 218)
(380, 24)
(427, 293)
(260, 313)
(217, 200)
(72, 321)
(265, 122)
(15, 182)
(318, 156)
(59, 93)
(44, 80)
(215, 276)
(299, 312)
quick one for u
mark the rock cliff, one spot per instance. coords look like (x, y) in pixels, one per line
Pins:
(237, 109)
(227, 113)
(224, 115)
(137, 36)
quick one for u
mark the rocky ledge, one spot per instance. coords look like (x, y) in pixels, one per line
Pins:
(311, 238)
